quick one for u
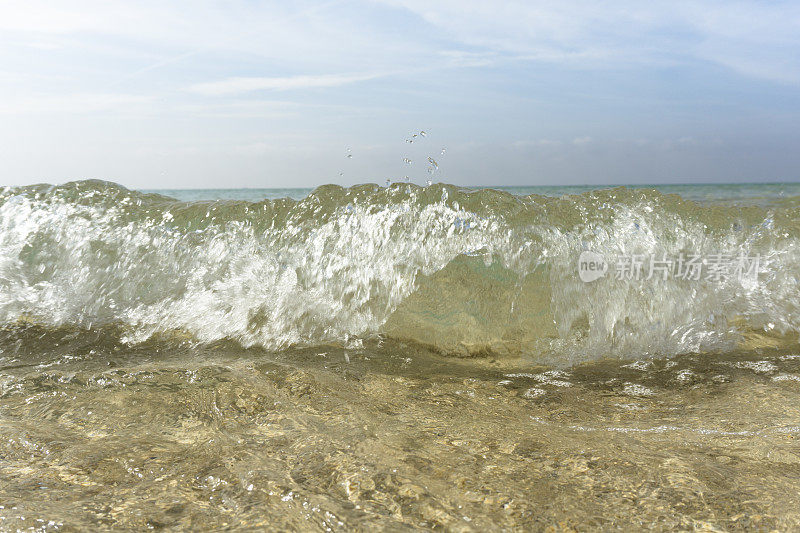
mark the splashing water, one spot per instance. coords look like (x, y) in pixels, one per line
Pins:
(464, 272)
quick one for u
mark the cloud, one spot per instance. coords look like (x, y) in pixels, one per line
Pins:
(239, 85)
(461, 58)
(309, 35)
(755, 39)
(75, 103)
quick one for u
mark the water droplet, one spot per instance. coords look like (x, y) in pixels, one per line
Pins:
(443, 151)
(433, 163)
(423, 133)
(407, 161)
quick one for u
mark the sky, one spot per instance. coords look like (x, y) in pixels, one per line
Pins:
(245, 93)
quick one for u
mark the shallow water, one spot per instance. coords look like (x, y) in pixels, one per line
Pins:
(98, 435)
(394, 359)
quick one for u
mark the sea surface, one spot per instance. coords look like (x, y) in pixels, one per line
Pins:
(400, 358)
(750, 193)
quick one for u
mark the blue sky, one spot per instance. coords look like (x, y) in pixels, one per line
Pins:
(274, 94)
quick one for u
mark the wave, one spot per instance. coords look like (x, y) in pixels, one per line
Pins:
(463, 272)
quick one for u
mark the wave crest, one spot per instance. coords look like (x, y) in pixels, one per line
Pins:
(463, 272)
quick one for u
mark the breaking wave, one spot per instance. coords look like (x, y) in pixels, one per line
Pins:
(463, 272)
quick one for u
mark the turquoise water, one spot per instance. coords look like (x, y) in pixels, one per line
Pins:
(750, 193)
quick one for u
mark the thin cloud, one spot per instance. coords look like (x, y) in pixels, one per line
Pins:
(239, 85)
(755, 39)
(461, 58)
(76, 103)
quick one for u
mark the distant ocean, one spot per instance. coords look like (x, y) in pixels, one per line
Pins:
(749, 192)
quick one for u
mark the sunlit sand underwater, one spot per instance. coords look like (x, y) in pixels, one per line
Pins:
(395, 359)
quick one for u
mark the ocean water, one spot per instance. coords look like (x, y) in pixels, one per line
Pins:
(750, 193)
(400, 358)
